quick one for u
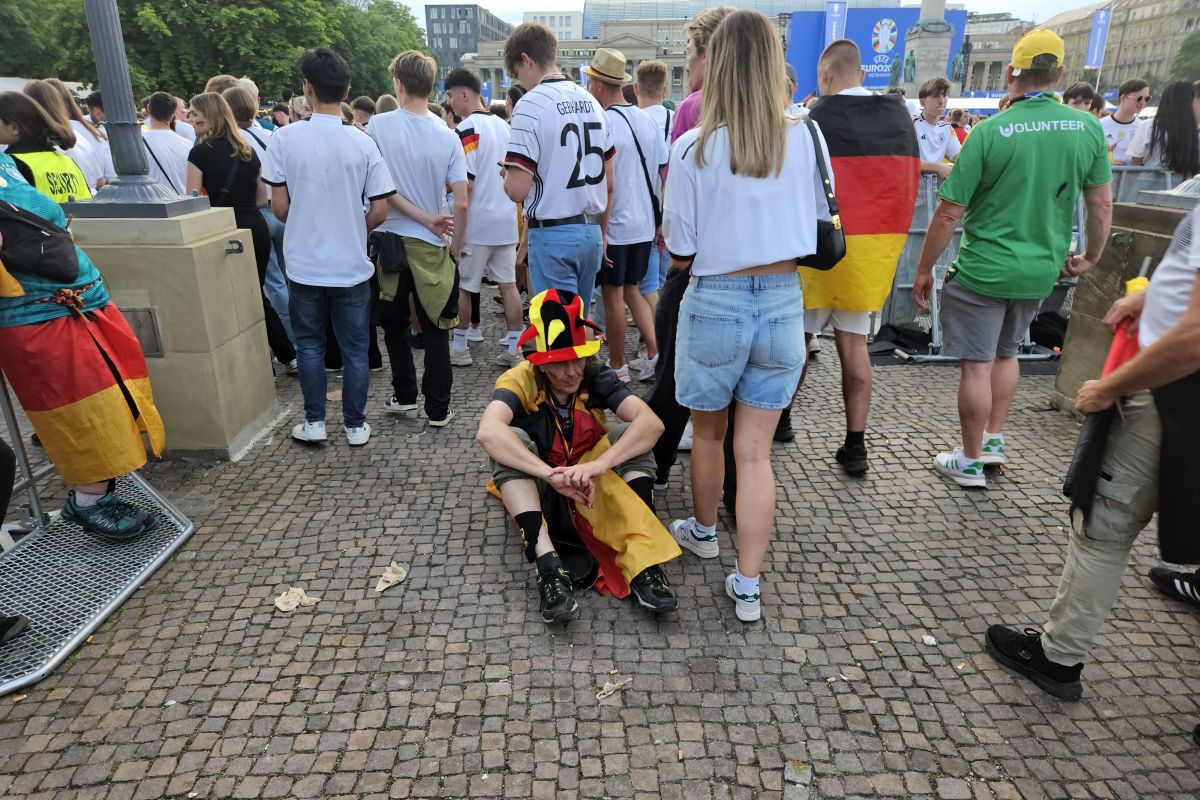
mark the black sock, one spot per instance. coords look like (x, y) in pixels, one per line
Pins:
(530, 525)
(855, 438)
(548, 562)
(643, 487)
(474, 307)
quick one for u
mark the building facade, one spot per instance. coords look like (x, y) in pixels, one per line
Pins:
(638, 39)
(988, 48)
(1143, 38)
(452, 31)
(565, 24)
(597, 12)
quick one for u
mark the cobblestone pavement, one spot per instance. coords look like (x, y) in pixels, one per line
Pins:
(449, 685)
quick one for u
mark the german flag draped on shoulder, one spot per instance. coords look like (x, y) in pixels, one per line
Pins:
(876, 168)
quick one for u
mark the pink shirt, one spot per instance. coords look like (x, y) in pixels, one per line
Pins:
(687, 115)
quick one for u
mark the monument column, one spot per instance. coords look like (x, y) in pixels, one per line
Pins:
(927, 48)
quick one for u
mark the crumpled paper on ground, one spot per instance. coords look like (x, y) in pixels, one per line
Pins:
(609, 688)
(395, 573)
(294, 597)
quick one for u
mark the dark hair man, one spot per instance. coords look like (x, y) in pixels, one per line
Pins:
(363, 108)
(167, 151)
(1079, 96)
(321, 173)
(1014, 189)
(876, 162)
(558, 164)
(1121, 125)
(95, 107)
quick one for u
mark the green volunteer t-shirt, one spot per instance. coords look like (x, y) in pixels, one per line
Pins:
(1019, 175)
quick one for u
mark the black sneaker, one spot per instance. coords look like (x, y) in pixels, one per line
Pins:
(1022, 654)
(783, 429)
(107, 520)
(853, 459)
(416, 341)
(12, 627)
(653, 592)
(1183, 586)
(558, 601)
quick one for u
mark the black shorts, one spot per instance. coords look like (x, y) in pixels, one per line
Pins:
(630, 262)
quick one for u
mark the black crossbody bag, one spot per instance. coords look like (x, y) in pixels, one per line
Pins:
(645, 171)
(831, 239)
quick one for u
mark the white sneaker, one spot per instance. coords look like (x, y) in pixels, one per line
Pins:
(685, 441)
(646, 373)
(394, 406)
(506, 339)
(507, 359)
(441, 423)
(461, 358)
(310, 432)
(993, 449)
(814, 346)
(684, 531)
(359, 435)
(960, 469)
(474, 335)
(291, 367)
(747, 607)
(623, 373)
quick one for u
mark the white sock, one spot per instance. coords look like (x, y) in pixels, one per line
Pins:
(513, 336)
(707, 530)
(86, 499)
(743, 585)
(999, 436)
(460, 339)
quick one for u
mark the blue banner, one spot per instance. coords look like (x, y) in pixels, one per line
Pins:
(1099, 38)
(582, 74)
(879, 34)
(835, 22)
(486, 93)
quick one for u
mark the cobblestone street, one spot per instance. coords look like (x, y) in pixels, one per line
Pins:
(449, 684)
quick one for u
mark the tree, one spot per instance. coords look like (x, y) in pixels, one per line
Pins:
(371, 38)
(1186, 66)
(27, 47)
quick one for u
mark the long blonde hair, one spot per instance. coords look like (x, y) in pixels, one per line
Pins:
(744, 89)
(221, 124)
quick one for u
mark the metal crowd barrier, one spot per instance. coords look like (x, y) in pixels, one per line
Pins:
(900, 311)
(63, 579)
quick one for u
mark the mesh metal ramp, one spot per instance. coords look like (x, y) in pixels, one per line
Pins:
(67, 582)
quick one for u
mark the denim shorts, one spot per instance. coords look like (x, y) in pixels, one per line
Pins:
(565, 257)
(656, 274)
(740, 338)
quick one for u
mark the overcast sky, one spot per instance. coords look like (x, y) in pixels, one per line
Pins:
(511, 10)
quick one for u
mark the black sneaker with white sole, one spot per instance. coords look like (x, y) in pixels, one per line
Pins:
(1022, 654)
(1183, 586)
(652, 591)
(557, 599)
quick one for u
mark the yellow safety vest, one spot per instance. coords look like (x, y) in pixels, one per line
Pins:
(55, 174)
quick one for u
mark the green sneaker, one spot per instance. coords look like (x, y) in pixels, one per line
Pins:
(993, 449)
(960, 469)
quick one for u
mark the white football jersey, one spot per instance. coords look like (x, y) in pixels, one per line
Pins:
(561, 136)
(493, 217)
(937, 141)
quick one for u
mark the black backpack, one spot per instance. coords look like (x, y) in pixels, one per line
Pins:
(35, 246)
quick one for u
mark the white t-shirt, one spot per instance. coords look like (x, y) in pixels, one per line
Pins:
(185, 129)
(423, 155)
(731, 222)
(258, 139)
(663, 117)
(561, 136)
(492, 219)
(1140, 146)
(86, 154)
(937, 142)
(631, 218)
(330, 170)
(1119, 135)
(167, 157)
(1171, 285)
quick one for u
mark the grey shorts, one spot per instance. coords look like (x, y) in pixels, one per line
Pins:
(980, 328)
(643, 464)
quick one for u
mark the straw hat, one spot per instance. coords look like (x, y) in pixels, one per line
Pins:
(608, 65)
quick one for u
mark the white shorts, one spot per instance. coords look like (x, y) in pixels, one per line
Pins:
(816, 319)
(499, 259)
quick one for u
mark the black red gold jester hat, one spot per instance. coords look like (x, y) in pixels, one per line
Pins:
(557, 328)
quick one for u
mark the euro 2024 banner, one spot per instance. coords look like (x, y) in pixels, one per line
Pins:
(879, 34)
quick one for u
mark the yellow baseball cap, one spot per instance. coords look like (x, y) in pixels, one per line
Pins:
(1042, 44)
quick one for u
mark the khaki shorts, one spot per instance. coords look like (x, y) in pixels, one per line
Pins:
(500, 260)
(817, 319)
(643, 464)
(980, 328)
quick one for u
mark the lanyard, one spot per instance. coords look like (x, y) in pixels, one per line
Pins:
(565, 432)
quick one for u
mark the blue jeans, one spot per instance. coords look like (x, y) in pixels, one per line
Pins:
(740, 338)
(656, 274)
(565, 257)
(275, 284)
(348, 310)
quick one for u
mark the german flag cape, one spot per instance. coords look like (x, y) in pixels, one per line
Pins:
(876, 168)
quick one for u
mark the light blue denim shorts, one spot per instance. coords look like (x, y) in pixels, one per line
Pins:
(739, 338)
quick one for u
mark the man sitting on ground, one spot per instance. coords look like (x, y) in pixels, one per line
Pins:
(581, 495)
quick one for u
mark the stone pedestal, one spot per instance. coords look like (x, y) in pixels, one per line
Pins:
(198, 313)
(929, 42)
(1138, 232)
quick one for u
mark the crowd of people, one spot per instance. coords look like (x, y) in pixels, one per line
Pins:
(724, 234)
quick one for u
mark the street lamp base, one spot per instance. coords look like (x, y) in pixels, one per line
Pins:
(135, 196)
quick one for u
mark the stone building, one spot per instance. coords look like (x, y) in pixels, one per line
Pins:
(565, 24)
(1143, 38)
(451, 31)
(991, 38)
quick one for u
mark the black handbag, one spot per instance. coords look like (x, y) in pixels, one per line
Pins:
(831, 239)
(35, 246)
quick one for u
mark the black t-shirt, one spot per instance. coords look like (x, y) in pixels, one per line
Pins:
(215, 159)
